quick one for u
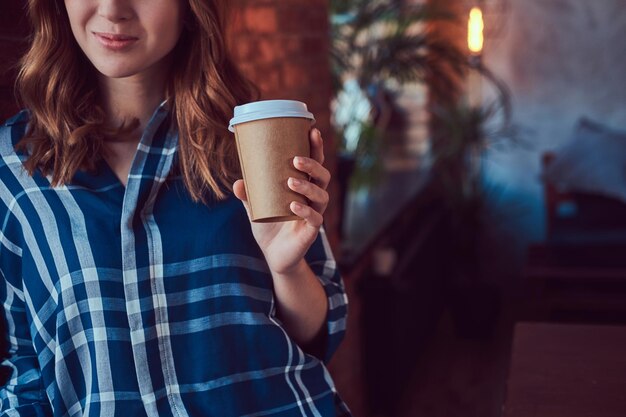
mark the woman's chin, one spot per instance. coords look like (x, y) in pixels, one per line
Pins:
(125, 71)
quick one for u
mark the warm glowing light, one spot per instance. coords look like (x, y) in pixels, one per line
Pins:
(475, 28)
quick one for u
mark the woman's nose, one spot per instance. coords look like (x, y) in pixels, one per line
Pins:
(115, 10)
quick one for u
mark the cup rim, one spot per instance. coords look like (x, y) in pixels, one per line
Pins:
(269, 109)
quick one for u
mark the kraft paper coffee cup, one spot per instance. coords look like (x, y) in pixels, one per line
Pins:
(269, 134)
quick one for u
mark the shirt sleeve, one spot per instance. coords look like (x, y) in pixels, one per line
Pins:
(321, 260)
(23, 394)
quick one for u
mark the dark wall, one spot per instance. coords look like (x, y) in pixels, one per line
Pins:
(13, 38)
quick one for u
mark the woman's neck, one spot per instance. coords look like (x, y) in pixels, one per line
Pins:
(135, 97)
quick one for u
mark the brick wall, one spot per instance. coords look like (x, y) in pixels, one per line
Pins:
(283, 47)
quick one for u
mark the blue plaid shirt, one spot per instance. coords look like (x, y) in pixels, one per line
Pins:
(136, 301)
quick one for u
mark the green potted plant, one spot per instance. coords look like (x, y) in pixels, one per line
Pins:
(377, 46)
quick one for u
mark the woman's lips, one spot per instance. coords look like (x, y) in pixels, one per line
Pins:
(115, 42)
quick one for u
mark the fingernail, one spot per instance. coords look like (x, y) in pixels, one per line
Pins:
(300, 160)
(295, 181)
(297, 205)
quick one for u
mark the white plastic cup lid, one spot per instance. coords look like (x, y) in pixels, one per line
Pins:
(268, 109)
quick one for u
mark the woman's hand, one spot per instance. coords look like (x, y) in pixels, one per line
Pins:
(301, 301)
(284, 244)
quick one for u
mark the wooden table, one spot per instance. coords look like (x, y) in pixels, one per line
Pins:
(565, 370)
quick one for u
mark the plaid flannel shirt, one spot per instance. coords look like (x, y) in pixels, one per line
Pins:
(136, 301)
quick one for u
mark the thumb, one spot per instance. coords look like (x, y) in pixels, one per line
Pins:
(239, 189)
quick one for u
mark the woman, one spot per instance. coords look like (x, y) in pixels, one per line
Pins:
(134, 282)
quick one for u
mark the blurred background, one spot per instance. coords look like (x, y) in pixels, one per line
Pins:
(478, 202)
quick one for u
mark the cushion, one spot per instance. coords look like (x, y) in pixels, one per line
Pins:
(593, 160)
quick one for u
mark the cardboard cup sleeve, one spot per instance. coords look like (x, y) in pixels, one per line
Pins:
(266, 150)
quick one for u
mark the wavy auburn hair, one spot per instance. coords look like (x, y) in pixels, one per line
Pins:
(58, 85)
